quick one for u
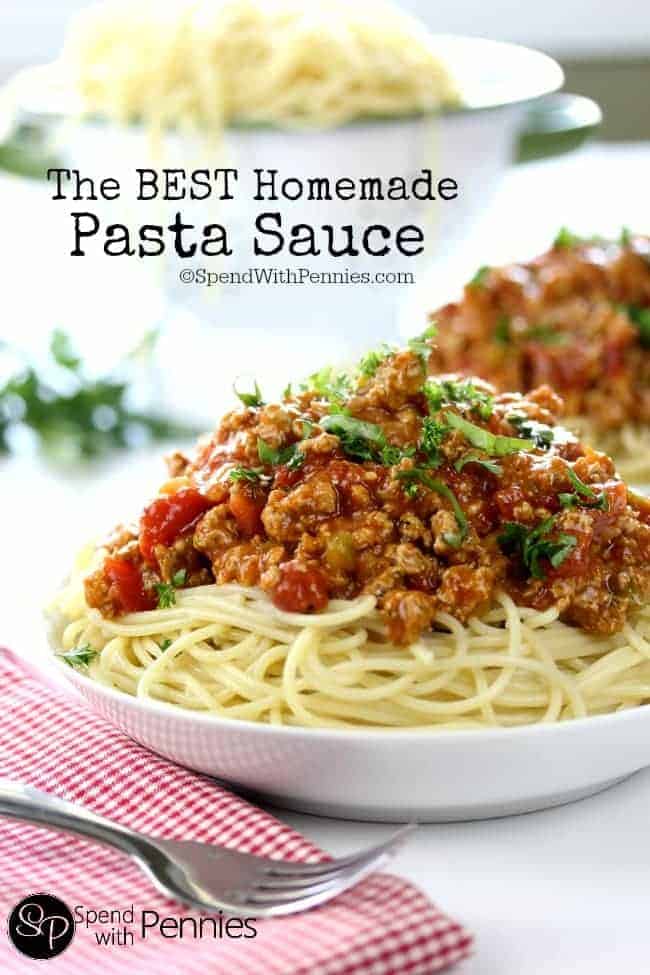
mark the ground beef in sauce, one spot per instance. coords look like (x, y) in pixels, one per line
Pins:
(399, 485)
(577, 318)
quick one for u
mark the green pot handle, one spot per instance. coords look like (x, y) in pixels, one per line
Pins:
(557, 124)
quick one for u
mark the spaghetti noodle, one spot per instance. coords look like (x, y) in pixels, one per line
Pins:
(280, 62)
(227, 650)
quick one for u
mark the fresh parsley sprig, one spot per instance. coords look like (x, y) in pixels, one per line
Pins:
(432, 437)
(334, 387)
(542, 435)
(358, 438)
(421, 344)
(364, 441)
(253, 475)
(475, 457)
(166, 591)
(478, 280)
(533, 545)
(441, 392)
(291, 456)
(582, 495)
(250, 400)
(80, 656)
(390, 455)
(412, 477)
(493, 444)
(565, 239)
(371, 362)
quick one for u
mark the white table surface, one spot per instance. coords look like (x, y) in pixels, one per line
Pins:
(562, 891)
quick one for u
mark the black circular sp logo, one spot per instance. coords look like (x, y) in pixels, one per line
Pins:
(41, 926)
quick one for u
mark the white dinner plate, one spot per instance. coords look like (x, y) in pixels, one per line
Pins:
(393, 774)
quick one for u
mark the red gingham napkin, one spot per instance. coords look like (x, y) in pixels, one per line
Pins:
(384, 926)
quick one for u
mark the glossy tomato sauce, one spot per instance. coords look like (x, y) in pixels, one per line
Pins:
(431, 493)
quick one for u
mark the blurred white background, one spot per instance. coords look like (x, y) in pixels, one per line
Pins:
(31, 30)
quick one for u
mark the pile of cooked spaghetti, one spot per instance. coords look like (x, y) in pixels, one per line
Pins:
(280, 62)
(383, 549)
(578, 318)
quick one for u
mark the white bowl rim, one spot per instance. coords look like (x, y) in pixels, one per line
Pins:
(424, 734)
(545, 77)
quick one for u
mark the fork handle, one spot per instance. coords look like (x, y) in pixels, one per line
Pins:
(18, 801)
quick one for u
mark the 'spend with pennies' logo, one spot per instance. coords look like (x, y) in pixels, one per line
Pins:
(41, 926)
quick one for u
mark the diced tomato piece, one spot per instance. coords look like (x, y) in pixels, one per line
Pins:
(126, 581)
(168, 517)
(302, 589)
(246, 507)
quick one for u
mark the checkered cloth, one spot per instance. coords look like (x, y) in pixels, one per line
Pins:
(384, 926)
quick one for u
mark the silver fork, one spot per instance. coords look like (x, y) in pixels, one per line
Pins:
(200, 874)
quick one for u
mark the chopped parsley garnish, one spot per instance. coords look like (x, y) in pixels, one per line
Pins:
(166, 595)
(478, 280)
(290, 456)
(491, 443)
(474, 457)
(266, 453)
(62, 351)
(626, 237)
(250, 399)
(532, 545)
(566, 239)
(545, 334)
(371, 362)
(420, 344)
(167, 590)
(165, 644)
(391, 455)
(502, 330)
(332, 386)
(364, 441)
(287, 392)
(251, 474)
(463, 392)
(541, 434)
(415, 476)
(431, 438)
(359, 439)
(582, 492)
(295, 460)
(641, 318)
(80, 656)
